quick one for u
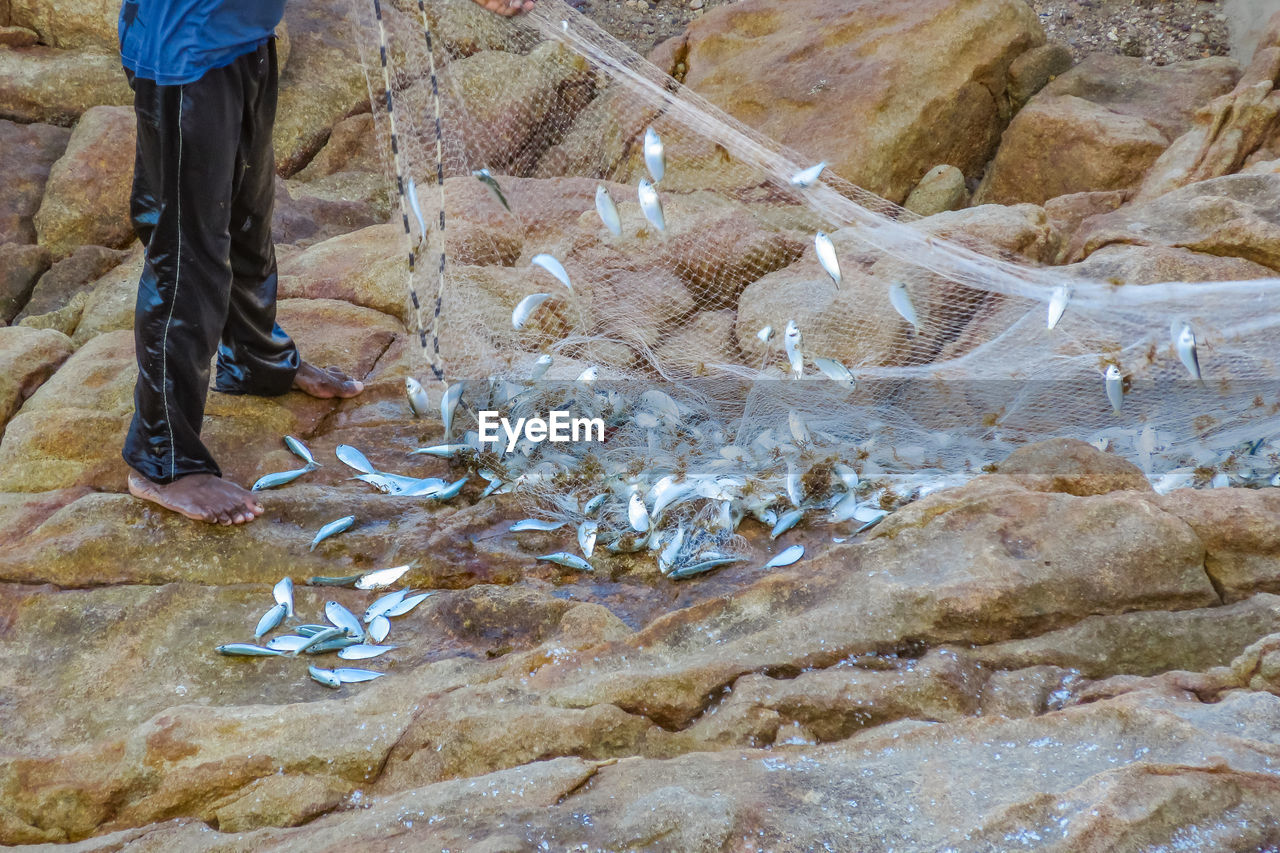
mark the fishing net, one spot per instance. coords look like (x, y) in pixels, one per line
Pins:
(504, 132)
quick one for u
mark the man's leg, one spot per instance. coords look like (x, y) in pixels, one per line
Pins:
(187, 143)
(256, 356)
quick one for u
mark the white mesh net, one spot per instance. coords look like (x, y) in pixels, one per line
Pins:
(506, 131)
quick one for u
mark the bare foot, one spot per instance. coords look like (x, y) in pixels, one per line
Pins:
(506, 7)
(202, 497)
(330, 382)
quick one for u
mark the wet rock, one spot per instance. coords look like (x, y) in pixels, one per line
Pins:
(1233, 216)
(70, 23)
(28, 357)
(322, 83)
(86, 199)
(1240, 529)
(1072, 467)
(27, 153)
(858, 60)
(1025, 692)
(1099, 127)
(942, 188)
(20, 267)
(50, 86)
(61, 282)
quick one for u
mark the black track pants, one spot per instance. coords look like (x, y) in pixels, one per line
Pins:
(201, 204)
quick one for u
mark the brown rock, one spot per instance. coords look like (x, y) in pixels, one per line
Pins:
(704, 340)
(1142, 643)
(353, 146)
(27, 358)
(50, 86)
(931, 76)
(27, 153)
(64, 320)
(1035, 69)
(111, 300)
(20, 267)
(1227, 131)
(1066, 212)
(70, 23)
(305, 219)
(1240, 529)
(1072, 467)
(87, 197)
(366, 267)
(1156, 264)
(322, 83)
(1099, 127)
(68, 277)
(18, 37)
(1233, 216)
(942, 188)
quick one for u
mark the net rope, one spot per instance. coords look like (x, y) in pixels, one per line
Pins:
(506, 129)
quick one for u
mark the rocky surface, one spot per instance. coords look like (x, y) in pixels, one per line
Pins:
(1052, 656)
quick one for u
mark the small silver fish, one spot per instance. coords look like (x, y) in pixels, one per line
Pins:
(449, 405)
(651, 205)
(835, 371)
(332, 644)
(787, 521)
(564, 558)
(383, 604)
(795, 488)
(765, 333)
(589, 375)
(283, 594)
(287, 642)
(489, 181)
(333, 528)
(806, 178)
(320, 637)
(655, 158)
(448, 492)
(417, 211)
(1115, 387)
(702, 566)
(271, 481)
(827, 257)
(343, 618)
(844, 509)
(324, 676)
(1057, 305)
(379, 627)
(443, 451)
(418, 402)
(353, 458)
(247, 650)
(792, 342)
(587, 532)
(408, 604)
(868, 514)
(786, 558)
(799, 429)
(363, 651)
(301, 451)
(901, 302)
(535, 524)
(637, 515)
(270, 620)
(540, 367)
(352, 676)
(524, 310)
(608, 211)
(311, 630)
(427, 487)
(593, 505)
(1185, 342)
(667, 556)
(551, 265)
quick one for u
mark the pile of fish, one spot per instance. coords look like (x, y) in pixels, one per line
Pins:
(344, 634)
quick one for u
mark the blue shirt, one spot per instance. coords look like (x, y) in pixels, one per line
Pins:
(176, 41)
